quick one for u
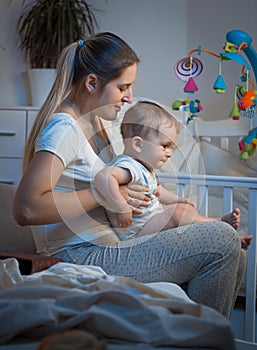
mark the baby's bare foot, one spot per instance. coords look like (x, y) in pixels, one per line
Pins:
(246, 240)
(233, 218)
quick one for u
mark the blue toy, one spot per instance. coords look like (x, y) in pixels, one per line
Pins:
(248, 144)
(193, 107)
(241, 39)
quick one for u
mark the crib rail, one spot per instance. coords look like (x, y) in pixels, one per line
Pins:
(203, 183)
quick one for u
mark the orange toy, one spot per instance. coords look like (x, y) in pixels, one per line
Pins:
(247, 100)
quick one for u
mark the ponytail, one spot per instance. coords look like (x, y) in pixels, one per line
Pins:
(59, 91)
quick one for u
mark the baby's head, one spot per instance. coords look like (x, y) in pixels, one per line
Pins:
(149, 134)
(144, 118)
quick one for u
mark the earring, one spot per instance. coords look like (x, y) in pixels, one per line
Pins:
(91, 90)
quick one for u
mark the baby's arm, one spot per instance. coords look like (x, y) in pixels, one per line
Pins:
(167, 197)
(107, 183)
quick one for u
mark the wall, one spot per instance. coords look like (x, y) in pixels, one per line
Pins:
(155, 30)
(152, 28)
(12, 92)
(161, 32)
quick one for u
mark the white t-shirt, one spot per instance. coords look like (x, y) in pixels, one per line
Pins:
(63, 137)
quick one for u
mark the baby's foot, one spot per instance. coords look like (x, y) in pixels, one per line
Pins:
(246, 240)
(232, 218)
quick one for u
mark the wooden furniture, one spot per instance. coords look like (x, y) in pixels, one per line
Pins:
(17, 241)
(15, 125)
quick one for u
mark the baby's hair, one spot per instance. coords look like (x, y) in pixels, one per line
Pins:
(145, 117)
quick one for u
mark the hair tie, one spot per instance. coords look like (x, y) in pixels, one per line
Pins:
(80, 43)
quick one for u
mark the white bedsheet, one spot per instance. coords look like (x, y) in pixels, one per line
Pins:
(117, 308)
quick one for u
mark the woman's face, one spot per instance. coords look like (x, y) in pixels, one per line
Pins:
(115, 93)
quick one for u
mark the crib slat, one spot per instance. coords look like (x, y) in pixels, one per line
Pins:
(250, 315)
(224, 143)
(181, 190)
(203, 200)
(227, 199)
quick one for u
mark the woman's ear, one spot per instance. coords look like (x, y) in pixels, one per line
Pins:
(91, 83)
(137, 143)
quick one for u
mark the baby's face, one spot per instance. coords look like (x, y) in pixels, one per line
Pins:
(157, 149)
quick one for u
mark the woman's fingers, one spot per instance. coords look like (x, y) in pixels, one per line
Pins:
(135, 196)
(138, 196)
(137, 199)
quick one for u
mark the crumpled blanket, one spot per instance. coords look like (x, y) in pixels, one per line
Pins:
(115, 308)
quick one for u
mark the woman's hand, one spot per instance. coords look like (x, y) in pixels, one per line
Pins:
(135, 196)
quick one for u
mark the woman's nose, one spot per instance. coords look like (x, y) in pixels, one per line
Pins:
(128, 96)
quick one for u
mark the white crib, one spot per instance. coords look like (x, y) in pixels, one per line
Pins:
(204, 182)
(223, 170)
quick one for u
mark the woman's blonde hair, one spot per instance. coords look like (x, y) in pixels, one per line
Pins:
(104, 54)
(145, 117)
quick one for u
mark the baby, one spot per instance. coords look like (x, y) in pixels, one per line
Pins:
(149, 135)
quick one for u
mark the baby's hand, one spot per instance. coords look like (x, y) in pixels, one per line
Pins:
(124, 219)
(186, 201)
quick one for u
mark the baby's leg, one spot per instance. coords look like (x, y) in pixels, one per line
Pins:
(181, 214)
(174, 215)
(232, 218)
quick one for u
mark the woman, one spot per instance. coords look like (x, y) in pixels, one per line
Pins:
(68, 146)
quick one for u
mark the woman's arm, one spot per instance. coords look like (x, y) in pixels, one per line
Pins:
(36, 203)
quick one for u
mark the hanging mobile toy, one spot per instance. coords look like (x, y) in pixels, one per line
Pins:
(234, 113)
(220, 85)
(247, 101)
(191, 107)
(186, 70)
(246, 104)
(248, 144)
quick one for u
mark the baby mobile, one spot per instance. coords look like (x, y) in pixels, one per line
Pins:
(186, 70)
(190, 67)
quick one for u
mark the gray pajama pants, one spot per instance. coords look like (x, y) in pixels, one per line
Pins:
(207, 258)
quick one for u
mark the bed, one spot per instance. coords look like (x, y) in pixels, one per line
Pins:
(190, 174)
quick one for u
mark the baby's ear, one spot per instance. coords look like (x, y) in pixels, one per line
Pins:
(137, 143)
